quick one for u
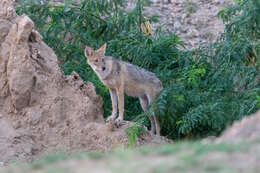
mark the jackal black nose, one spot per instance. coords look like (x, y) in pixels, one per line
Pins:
(103, 68)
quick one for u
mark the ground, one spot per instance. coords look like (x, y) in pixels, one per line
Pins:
(188, 157)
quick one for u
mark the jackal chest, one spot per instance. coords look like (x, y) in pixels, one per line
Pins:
(111, 83)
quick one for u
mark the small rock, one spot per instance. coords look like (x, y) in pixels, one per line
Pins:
(184, 30)
(177, 24)
(218, 2)
(195, 33)
(178, 9)
(17, 124)
(183, 16)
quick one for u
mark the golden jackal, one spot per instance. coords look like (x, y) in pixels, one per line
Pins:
(121, 77)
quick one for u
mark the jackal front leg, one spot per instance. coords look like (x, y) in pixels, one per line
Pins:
(113, 96)
(120, 96)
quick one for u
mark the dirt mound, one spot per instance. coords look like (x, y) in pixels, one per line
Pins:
(246, 129)
(41, 109)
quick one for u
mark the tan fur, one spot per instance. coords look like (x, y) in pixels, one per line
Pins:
(121, 77)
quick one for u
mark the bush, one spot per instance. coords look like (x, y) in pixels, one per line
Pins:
(205, 89)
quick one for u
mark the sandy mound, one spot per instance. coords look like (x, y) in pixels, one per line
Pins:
(41, 109)
(247, 129)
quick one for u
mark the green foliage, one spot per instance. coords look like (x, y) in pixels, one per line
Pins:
(190, 6)
(217, 84)
(48, 159)
(133, 132)
(205, 89)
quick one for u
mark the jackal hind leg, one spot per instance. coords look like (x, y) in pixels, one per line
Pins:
(145, 104)
(155, 119)
(157, 124)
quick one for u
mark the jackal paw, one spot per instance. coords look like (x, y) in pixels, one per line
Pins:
(111, 118)
(119, 122)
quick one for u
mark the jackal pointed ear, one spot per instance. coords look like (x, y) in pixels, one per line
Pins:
(102, 49)
(88, 51)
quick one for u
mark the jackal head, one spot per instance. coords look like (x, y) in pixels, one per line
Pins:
(96, 58)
